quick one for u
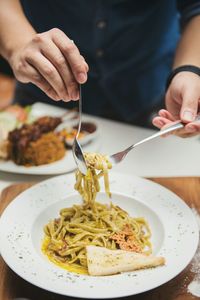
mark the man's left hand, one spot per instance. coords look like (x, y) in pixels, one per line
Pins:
(182, 103)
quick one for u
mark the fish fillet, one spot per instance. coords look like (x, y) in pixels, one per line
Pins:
(102, 261)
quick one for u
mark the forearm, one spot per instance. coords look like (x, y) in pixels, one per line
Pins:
(188, 50)
(15, 30)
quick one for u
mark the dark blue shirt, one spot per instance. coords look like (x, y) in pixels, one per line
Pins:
(129, 46)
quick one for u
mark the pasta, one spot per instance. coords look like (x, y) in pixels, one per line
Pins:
(93, 223)
(88, 186)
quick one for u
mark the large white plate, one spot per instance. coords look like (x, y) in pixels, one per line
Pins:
(174, 236)
(66, 164)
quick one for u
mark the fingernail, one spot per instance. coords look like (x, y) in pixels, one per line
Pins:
(56, 97)
(161, 123)
(82, 77)
(75, 95)
(188, 115)
(190, 128)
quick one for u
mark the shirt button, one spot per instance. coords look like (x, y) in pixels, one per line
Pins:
(101, 24)
(99, 53)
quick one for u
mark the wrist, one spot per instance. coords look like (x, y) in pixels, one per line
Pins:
(184, 68)
(13, 47)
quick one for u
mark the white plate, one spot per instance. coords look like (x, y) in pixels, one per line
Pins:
(174, 236)
(66, 164)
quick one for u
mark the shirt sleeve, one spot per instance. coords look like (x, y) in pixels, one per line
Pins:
(188, 9)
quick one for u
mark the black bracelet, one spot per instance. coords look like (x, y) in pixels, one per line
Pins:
(185, 68)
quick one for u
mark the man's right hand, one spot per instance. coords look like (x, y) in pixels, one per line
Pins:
(53, 63)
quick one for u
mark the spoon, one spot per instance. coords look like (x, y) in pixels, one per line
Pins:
(76, 147)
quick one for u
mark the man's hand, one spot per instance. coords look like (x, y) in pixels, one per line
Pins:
(182, 103)
(53, 63)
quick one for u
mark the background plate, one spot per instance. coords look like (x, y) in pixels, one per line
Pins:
(64, 165)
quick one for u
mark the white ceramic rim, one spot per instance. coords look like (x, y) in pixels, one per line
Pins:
(179, 246)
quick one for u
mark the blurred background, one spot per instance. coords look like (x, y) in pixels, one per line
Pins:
(7, 83)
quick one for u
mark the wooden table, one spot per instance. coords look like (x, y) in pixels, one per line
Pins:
(12, 286)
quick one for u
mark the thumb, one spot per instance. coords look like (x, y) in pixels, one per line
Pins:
(189, 108)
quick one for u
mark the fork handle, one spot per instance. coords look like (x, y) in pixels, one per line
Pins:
(80, 111)
(162, 132)
(171, 128)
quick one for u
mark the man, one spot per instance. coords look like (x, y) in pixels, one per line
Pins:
(128, 46)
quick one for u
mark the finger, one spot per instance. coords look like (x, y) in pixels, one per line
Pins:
(166, 114)
(36, 78)
(159, 122)
(187, 135)
(49, 72)
(167, 123)
(187, 131)
(72, 55)
(47, 89)
(86, 65)
(189, 108)
(193, 127)
(163, 113)
(183, 132)
(53, 54)
(177, 132)
(173, 105)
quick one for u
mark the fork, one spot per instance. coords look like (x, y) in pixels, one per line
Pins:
(119, 156)
(76, 147)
